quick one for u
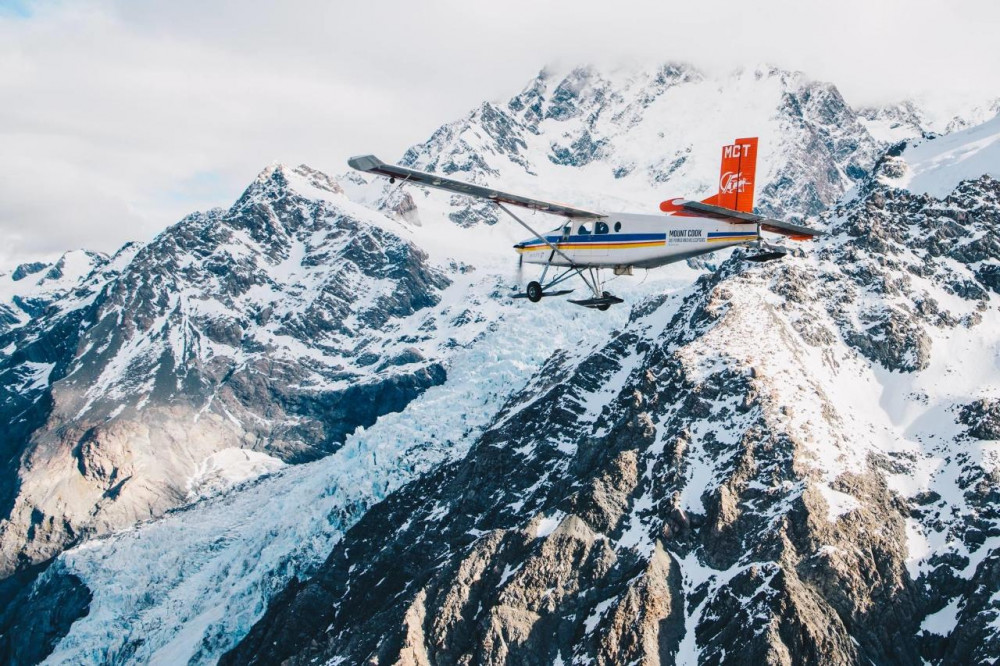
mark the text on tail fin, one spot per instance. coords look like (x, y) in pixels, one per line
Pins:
(737, 175)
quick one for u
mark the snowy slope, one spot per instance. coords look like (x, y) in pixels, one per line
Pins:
(796, 462)
(925, 116)
(936, 166)
(204, 599)
(628, 138)
(30, 288)
(264, 313)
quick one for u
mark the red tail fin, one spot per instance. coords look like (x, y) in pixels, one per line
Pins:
(736, 180)
(737, 176)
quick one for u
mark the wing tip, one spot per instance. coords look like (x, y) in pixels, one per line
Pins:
(364, 162)
(795, 232)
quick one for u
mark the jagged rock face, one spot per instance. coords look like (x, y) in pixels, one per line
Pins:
(897, 247)
(267, 327)
(625, 131)
(34, 289)
(983, 419)
(717, 483)
(47, 307)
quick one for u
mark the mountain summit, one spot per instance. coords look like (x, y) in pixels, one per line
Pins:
(314, 427)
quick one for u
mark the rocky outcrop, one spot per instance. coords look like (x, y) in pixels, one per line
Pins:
(983, 419)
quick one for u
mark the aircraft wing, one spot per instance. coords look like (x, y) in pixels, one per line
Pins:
(372, 164)
(794, 231)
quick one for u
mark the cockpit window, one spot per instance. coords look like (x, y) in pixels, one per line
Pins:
(601, 228)
(585, 229)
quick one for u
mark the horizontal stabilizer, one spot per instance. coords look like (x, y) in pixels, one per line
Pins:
(708, 210)
(372, 164)
(794, 231)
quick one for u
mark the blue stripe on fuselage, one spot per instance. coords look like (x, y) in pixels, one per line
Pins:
(597, 238)
(726, 234)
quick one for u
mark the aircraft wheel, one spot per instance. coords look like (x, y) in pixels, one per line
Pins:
(605, 306)
(534, 292)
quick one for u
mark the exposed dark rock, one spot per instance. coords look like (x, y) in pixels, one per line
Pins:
(56, 599)
(24, 270)
(983, 419)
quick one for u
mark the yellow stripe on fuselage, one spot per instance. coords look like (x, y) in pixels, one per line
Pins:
(732, 239)
(592, 246)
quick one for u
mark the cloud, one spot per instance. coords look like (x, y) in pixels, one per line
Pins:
(120, 117)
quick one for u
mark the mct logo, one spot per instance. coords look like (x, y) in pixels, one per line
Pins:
(736, 150)
(732, 181)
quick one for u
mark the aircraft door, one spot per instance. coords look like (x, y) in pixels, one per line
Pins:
(599, 235)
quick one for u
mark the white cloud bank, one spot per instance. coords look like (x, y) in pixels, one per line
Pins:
(117, 117)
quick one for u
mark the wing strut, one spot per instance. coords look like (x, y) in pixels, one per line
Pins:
(537, 235)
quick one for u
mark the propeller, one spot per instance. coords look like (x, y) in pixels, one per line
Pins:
(519, 273)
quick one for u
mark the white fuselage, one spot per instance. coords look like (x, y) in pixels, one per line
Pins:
(629, 239)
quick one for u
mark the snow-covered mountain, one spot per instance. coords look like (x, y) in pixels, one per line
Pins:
(233, 343)
(627, 139)
(794, 459)
(789, 464)
(30, 289)
(936, 166)
(914, 118)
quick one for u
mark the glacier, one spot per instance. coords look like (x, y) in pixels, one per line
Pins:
(189, 586)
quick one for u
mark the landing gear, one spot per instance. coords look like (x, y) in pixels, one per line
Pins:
(535, 291)
(766, 252)
(607, 302)
(590, 274)
(602, 302)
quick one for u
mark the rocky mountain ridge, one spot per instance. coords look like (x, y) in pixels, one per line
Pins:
(168, 359)
(714, 483)
(628, 138)
(265, 315)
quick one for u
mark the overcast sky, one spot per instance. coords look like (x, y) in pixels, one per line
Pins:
(117, 117)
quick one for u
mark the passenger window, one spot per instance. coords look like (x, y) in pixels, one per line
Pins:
(601, 228)
(618, 227)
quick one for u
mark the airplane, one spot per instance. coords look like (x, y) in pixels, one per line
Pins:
(589, 242)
